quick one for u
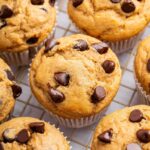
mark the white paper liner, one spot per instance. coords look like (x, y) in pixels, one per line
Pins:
(118, 47)
(24, 58)
(144, 97)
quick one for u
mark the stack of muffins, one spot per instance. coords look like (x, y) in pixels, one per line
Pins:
(74, 78)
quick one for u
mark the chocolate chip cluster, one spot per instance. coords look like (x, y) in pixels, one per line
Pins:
(127, 6)
(143, 135)
(23, 136)
(63, 78)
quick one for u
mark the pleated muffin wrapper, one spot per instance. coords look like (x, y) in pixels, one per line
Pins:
(118, 47)
(24, 58)
(144, 97)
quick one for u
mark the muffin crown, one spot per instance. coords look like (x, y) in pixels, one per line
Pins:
(142, 64)
(111, 20)
(9, 90)
(126, 129)
(75, 77)
(30, 133)
(25, 23)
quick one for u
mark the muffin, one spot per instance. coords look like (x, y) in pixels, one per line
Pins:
(126, 129)
(118, 22)
(142, 70)
(25, 25)
(31, 133)
(9, 90)
(75, 79)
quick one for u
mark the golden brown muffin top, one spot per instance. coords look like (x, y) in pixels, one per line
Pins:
(111, 20)
(78, 76)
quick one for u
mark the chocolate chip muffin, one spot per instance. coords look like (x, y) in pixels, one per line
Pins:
(111, 20)
(126, 129)
(9, 90)
(24, 26)
(26, 133)
(75, 77)
(142, 70)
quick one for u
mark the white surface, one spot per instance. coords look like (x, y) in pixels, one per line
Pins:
(80, 139)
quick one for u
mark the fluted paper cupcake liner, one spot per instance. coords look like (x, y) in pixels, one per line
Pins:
(121, 46)
(144, 97)
(24, 58)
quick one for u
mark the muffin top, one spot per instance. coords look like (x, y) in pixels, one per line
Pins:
(126, 129)
(76, 76)
(25, 23)
(9, 90)
(142, 64)
(110, 20)
(26, 133)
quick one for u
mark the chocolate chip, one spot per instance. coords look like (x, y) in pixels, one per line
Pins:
(17, 90)
(3, 23)
(10, 75)
(5, 12)
(1, 146)
(106, 136)
(143, 135)
(108, 66)
(148, 65)
(52, 2)
(37, 2)
(37, 127)
(44, 9)
(101, 48)
(136, 116)
(98, 95)
(62, 78)
(133, 146)
(76, 3)
(128, 6)
(23, 136)
(56, 96)
(32, 40)
(115, 1)
(49, 45)
(81, 45)
(9, 135)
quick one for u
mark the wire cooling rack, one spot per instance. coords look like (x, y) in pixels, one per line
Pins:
(26, 104)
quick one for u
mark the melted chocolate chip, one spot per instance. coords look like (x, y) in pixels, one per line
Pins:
(62, 78)
(143, 135)
(76, 3)
(37, 2)
(5, 12)
(56, 96)
(9, 135)
(32, 40)
(101, 48)
(49, 45)
(3, 23)
(115, 1)
(136, 116)
(133, 146)
(10, 75)
(106, 136)
(17, 90)
(1, 146)
(98, 95)
(23, 136)
(108, 66)
(148, 65)
(37, 127)
(81, 45)
(128, 6)
(52, 2)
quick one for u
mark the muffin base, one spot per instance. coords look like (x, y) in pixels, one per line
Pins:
(144, 97)
(23, 58)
